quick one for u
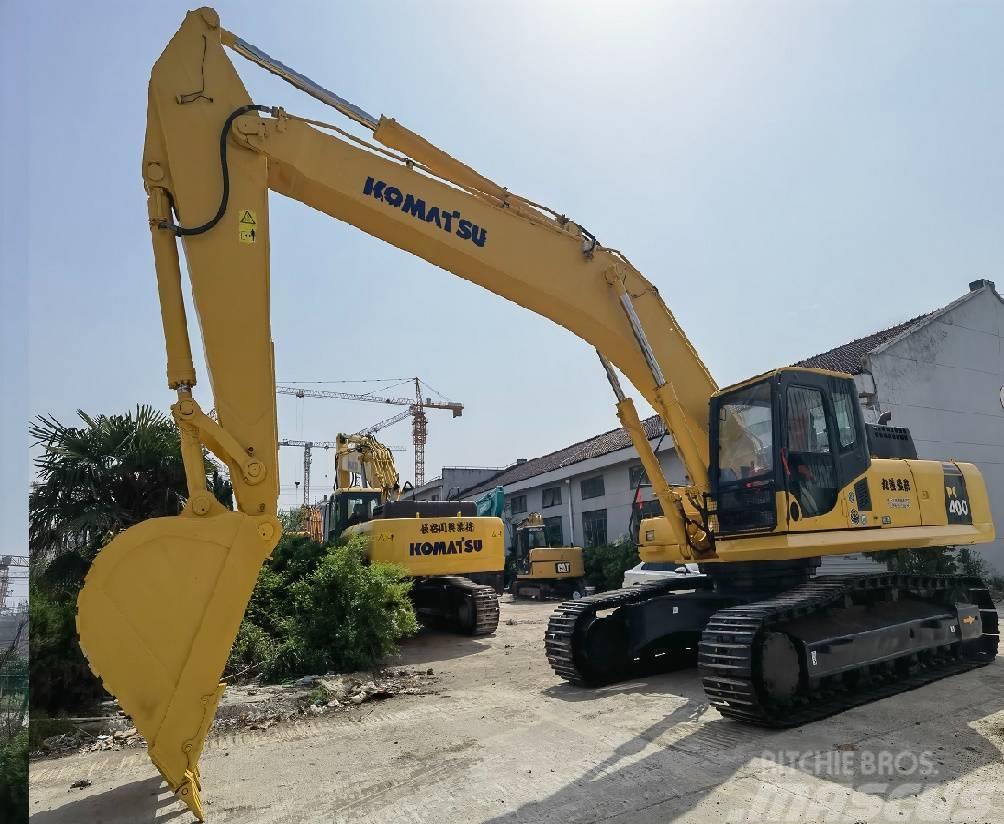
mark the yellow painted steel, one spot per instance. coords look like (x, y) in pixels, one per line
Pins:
(899, 519)
(544, 564)
(374, 461)
(544, 561)
(424, 546)
(162, 603)
(157, 617)
(437, 546)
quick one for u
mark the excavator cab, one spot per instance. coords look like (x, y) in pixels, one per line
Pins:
(529, 537)
(783, 445)
(543, 569)
(347, 507)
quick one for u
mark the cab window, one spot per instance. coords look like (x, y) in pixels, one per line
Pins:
(745, 434)
(843, 411)
(807, 430)
(809, 460)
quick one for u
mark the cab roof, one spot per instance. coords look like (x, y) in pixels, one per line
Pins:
(775, 374)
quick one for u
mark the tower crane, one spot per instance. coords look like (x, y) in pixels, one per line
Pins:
(416, 408)
(307, 447)
(6, 562)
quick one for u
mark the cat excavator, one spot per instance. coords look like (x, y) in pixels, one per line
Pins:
(782, 469)
(454, 557)
(542, 570)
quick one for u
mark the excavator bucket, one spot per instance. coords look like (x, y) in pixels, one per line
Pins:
(157, 616)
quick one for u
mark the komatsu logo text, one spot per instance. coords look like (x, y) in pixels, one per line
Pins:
(449, 220)
(445, 547)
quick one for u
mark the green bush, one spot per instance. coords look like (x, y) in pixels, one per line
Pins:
(253, 651)
(14, 779)
(348, 614)
(60, 678)
(606, 565)
(317, 609)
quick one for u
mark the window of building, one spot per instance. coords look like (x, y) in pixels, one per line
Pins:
(592, 487)
(518, 504)
(594, 527)
(638, 476)
(551, 496)
(554, 534)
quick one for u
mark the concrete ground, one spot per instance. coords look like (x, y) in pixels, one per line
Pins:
(507, 742)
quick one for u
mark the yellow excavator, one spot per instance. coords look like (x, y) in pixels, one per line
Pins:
(782, 468)
(543, 570)
(454, 556)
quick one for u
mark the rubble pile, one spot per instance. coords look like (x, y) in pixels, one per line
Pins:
(259, 707)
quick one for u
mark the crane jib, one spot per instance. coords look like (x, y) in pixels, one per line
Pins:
(444, 218)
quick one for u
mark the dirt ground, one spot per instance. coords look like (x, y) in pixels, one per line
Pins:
(503, 740)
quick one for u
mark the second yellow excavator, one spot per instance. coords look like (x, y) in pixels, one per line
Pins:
(542, 570)
(782, 469)
(454, 556)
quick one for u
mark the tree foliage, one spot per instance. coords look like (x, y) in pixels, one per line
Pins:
(317, 609)
(605, 565)
(60, 678)
(944, 561)
(99, 479)
(14, 779)
(94, 481)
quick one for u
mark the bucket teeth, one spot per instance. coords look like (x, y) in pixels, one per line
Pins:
(190, 792)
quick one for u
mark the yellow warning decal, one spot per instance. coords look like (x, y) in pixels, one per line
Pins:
(247, 226)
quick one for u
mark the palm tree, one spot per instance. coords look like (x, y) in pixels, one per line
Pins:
(98, 479)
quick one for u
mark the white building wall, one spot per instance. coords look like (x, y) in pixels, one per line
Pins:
(943, 381)
(616, 500)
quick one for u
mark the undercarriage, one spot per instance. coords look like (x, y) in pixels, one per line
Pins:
(456, 604)
(774, 646)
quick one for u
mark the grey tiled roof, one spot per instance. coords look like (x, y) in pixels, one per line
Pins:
(850, 357)
(583, 450)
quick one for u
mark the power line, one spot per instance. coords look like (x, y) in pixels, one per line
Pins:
(360, 380)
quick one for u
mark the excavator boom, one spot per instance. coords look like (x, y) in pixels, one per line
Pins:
(210, 157)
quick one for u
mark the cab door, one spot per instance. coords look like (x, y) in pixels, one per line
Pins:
(824, 449)
(808, 456)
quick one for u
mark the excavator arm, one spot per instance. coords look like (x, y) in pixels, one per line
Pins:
(366, 456)
(163, 602)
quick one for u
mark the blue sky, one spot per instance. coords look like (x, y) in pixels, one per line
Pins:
(790, 175)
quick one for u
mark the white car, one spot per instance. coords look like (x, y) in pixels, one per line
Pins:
(647, 572)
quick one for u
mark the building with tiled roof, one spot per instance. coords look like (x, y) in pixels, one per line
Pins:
(941, 374)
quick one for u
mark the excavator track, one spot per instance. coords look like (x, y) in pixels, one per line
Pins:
(456, 604)
(564, 638)
(731, 656)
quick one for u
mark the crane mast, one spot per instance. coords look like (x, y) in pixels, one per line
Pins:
(307, 446)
